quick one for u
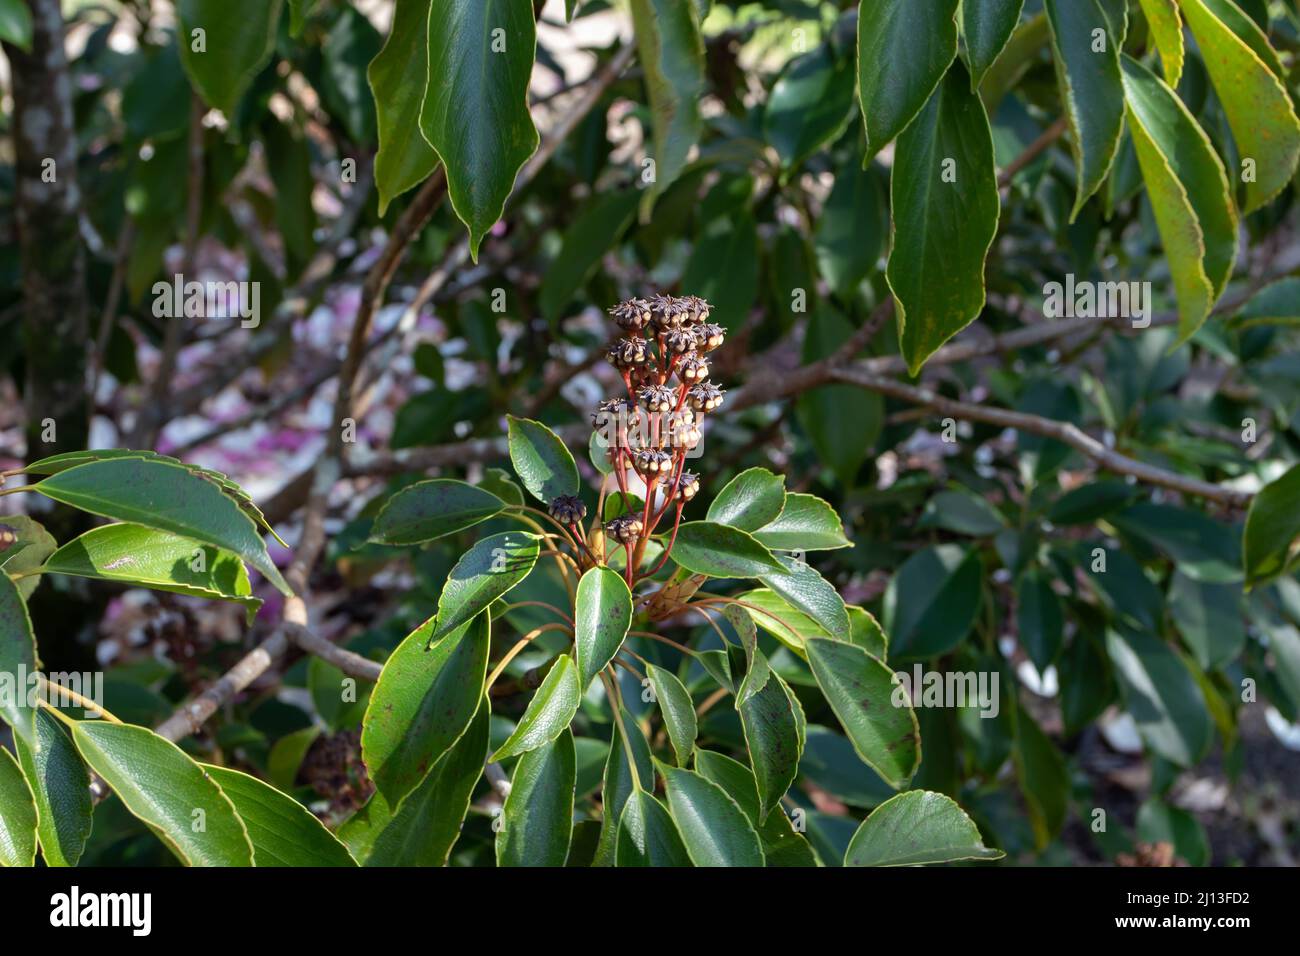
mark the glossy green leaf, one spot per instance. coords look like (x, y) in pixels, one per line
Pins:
(155, 559)
(725, 269)
(671, 52)
(61, 788)
(594, 231)
(932, 601)
(773, 741)
(433, 509)
(167, 497)
(602, 615)
(1087, 69)
(549, 713)
(875, 712)
(720, 551)
(800, 586)
(1276, 304)
(426, 824)
(916, 828)
(773, 614)
(751, 500)
(987, 25)
(962, 513)
(398, 80)
(485, 572)
(647, 835)
(810, 105)
(843, 421)
(1166, 27)
(678, 711)
(422, 704)
(757, 671)
(1201, 547)
(946, 207)
(17, 657)
(17, 815)
(619, 782)
(782, 846)
(714, 829)
(236, 40)
(1259, 109)
(537, 819)
(851, 231)
(1272, 528)
(1044, 778)
(475, 113)
(167, 791)
(1161, 697)
(31, 545)
(541, 460)
(16, 24)
(807, 523)
(283, 832)
(1209, 618)
(1039, 618)
(1189, 194)
(904, 49)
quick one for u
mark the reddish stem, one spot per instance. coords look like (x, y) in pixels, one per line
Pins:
(663, 558)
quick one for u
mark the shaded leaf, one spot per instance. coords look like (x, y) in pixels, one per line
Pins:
(712, 825)
(283, 832)
(647, 835)
(485, 572)
(678, 711)
(433, 509)
(915, 828)
(17, 815)
(398, 80)
(720, 551)
(537, 818)
(237, 39)
(61, 788)
(543, 463)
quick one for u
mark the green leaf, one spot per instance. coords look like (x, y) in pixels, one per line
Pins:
(771, 612)
(167, 791)
(17, 657)
(1189, 194)
(1254, 98)
(299, 11)
(619, 782)
(1087, 70)
(1199, 545)
(537, 818)
(714, 829)
(428, 510)
(426, 824)
(158, 560)
(1167, 31)
(283, 832)
(773, 741)
(17, 815)
(724, 269)
(1039, 618)
(31, 545)
(549, 713)
(843, 421)
(1272, 527)
(915, 828)
(647, 835)
(851, 232)
(1161, 696)
(942, 227)
(602, 615)
(167, 497)
(16, 24)
(1208, 616)
(720, 551)
(351, 45)
(671, 52)
(810, 105)
(807, 523)
(1044, 779)
(904, 49)
(932, 601)
(422, 704)
(987, 26)
(1275, 304)
(475, 113)
(541, 460)
(1089, 502)
(1160, 822)
(484, 573)
(751, 500)
(962, 513)
(781, 845)
(865, 631)
(399, 78)
(61, 788)
(804, 589)
(237, 39)
(872, 707)
(757, 671)
(678, 711)
(594, 231)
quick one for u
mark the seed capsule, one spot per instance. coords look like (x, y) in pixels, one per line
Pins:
(650, 462)
(689, 486)
(625, 529)
(657, 398)
(696, 308)
(709, 337)
(704, 397)
(667, 313)
(632, 315)
(568, 509)
(627, 353)
(681, 340)
(693, 369)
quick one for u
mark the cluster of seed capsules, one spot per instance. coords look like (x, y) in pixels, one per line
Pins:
(664, 362)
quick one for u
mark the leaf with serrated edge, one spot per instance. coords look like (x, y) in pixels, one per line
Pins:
(549, 713)
(915, 828)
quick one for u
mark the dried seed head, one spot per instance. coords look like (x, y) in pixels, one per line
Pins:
(651, 462)
(693, 368)
(680, 340)
(704, 397)
(631, 315)
(627, 353)
(689, 486)
(625, 529)
(667, 312)
(568, 509)
(696, 308)
(620, 411)
(709, 337)
(657, 398)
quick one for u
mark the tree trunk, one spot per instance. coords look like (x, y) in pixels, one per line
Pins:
(52, 254)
